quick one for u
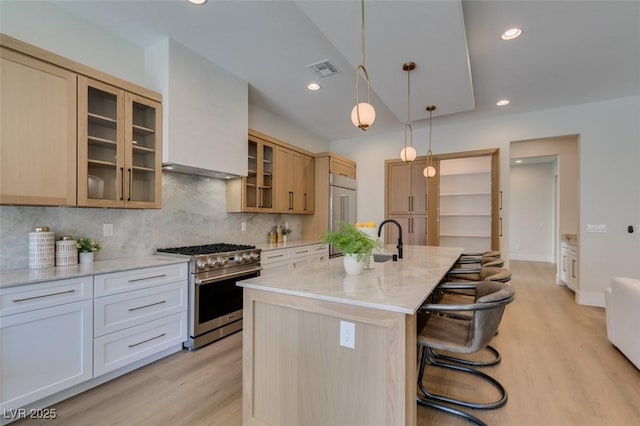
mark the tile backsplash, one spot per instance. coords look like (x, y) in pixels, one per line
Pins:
(193, 212)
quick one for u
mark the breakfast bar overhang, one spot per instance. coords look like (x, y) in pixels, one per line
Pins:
(295, 371)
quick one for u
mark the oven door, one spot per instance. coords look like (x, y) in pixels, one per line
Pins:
(218, 301)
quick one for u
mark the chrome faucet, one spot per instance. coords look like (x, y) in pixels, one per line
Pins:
(399, 246)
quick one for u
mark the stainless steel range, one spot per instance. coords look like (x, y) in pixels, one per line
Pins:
(215, 302)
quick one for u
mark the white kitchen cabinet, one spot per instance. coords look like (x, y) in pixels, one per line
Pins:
(137, 314)
(569, 265)
(206, 114)
(46, 340)
(276, 261)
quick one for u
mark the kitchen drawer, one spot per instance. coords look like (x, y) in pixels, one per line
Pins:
(275, 268)
(124, 347)
(301, 251)
(119, 311)
(14, 300)
(272, 256)
(118, 282)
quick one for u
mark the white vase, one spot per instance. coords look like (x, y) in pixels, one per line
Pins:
(351, 264)
(86, 257)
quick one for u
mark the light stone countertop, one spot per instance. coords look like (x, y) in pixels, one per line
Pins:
(15, 277)
(288, 244)
(400, 286)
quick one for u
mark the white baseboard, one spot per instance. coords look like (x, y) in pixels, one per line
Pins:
(590, 298)
(532, 257)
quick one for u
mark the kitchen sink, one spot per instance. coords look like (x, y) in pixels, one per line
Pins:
(382, 257)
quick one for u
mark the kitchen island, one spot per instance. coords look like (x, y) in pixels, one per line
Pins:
(295, 370)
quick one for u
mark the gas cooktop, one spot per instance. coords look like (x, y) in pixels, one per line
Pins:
(206, 249)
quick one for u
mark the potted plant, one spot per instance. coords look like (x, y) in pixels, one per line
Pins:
(285, 232)
(355, 244)
(86, 248)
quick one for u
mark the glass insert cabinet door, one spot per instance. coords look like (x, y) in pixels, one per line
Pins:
(259, 180)
(119, 135)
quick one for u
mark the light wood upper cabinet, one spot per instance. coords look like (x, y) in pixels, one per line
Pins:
(72, 135)
(280, 179)
(406, 188)
(119, 147)
(38, 132)
(342, 167)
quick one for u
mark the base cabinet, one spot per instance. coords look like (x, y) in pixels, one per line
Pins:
(569, 265)
(281, 260)
(45, 350)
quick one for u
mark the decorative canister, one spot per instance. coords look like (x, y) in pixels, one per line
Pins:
(272, 238)
(279, 234)
(66, 252)
(42, 248)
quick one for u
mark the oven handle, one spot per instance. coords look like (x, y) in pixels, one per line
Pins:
(237, 274)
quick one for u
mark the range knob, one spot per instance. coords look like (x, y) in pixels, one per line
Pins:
(212, 262)
(222, 261)
(201, 264)
(254, 256)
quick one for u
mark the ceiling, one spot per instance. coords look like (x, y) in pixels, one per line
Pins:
(571, 52)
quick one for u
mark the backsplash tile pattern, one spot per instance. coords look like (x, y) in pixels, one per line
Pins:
(193, 212)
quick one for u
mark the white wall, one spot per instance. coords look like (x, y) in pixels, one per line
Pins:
(531, 209)
(609, 179)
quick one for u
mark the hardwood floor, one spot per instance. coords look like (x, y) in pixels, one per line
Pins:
(558, 367)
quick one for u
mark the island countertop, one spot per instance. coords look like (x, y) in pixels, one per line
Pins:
(400, 286)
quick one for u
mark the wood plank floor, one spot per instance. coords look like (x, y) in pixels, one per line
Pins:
(558, 368)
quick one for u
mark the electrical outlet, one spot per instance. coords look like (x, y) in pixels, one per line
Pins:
(107, 230)
(347, 334)
(600, 228)
(243, 226)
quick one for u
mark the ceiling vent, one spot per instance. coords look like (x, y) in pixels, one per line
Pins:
(324, 68)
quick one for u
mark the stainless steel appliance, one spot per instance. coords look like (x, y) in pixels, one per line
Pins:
(215, 301)
(342, 204)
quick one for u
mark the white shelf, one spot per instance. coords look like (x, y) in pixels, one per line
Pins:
(465, 214)
(466, 235)
(462, 194)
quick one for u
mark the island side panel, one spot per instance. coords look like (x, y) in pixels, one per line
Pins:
(295, 371)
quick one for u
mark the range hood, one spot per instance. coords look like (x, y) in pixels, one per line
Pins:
(178, 168)
(205, 113)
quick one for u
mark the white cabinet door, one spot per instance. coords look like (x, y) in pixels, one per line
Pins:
(44, 351)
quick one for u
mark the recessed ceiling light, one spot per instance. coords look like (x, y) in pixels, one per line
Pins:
(502, 102)
(518, 161)
(313, 86)
(198, 2)
(511, 33)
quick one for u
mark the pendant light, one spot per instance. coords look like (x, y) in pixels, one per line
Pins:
(408, 153)
(430, 171)
(363, 115)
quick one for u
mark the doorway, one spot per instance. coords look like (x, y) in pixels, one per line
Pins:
(554, 175)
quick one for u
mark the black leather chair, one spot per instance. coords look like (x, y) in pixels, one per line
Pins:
(453, 334)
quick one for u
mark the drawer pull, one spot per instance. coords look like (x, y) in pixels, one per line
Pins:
(274, 256)
(148, 340)
(148, 278)
(146, 306)
(302, 251)
(44, 295)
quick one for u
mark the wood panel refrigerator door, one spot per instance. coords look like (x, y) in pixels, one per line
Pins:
(399, 189)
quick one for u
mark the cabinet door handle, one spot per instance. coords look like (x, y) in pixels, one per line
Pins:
(259, 195)
(304, 198)
(130, 184)
(500, 200)
(24, 299)
(148, 340)
(409, 203)
(147, 278)
(147, 306)
(501, 227)
(573, 268)
(122, 183)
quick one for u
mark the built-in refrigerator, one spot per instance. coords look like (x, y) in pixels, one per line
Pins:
(342, 204)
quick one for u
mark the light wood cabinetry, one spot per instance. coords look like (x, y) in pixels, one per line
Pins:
(274, 261)
(316, 225)
(458, 207)
(119, 147)
(38, 132)
(280, 179)
(342, 166)
(406, 195)
(72, 135)
(46, 332)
